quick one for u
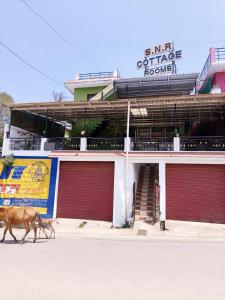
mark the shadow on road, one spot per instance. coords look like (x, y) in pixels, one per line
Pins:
(12, 242)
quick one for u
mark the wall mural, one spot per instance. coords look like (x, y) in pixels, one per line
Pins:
(29, 182)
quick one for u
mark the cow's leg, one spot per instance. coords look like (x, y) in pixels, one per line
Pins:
(35, 231)
(10, 230)
(45, 233)
(5, 231)
(52, 231)
(27, 228)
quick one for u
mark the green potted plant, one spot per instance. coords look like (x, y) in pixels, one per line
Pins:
(8, 160)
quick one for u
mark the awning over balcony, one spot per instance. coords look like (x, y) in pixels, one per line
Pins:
(37, 124)
(181, 84)
(158, 109)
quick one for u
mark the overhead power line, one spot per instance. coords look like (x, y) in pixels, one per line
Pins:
(28, 64)
(199, 42)
(60, 35)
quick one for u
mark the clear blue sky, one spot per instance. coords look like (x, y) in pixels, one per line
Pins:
(112, 34)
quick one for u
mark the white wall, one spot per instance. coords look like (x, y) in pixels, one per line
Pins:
(119, 193)
(20, 134)
(119, 199)
(16, 132)
(6, 142)
(120, 203)
(162, 195)
(133, 175)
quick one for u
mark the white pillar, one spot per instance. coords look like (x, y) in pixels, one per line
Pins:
(6, 141)
(43, 141)
(83, 144)
(119, 197)
(56, 190)
(127, 160)
(162, 184)
(127, 144)
(176, 144)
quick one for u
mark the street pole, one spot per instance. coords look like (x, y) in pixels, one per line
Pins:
(127, 159)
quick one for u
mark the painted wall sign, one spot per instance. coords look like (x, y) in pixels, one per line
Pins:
(29, 182)
(163, 56)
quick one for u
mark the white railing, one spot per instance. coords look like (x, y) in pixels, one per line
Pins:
(106, 92)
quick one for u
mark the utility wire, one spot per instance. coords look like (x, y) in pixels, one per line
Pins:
(200, 42)
(59, 34)
(28, 64)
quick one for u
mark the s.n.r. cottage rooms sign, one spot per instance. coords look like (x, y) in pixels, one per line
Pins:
(160, 60)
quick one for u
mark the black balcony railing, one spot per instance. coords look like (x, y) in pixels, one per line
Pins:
(105, 144)
(156, 144)
(25, 144)
(112, 144)
(202, 144)
(62, 144)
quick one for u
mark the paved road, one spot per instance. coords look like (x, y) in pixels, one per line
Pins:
(72, 267)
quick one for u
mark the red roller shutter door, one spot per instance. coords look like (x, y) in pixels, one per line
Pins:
(86, 190)
(195, 193)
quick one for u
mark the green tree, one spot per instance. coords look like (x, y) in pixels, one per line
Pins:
(87, 125)
(5, 98)
(4, 111)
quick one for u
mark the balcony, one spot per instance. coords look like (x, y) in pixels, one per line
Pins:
(85, 144)
(202, 144)
(43, 146)
(137, 144)
(62, 144)
(94, 75)
(215, 62)
(157, 144)
(25, 144)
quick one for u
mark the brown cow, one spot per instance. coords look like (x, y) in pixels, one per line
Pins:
(19, 215)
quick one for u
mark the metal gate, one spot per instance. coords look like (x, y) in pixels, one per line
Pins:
(86, 190)
(195, 192)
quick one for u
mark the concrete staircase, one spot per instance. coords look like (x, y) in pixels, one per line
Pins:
(145, 204)
(105, 93)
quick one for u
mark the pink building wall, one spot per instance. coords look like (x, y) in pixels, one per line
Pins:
(219, 81)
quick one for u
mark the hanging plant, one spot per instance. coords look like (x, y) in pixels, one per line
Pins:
(8, 160)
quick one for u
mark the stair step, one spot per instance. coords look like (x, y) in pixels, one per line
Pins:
(138, 200)
(139, 218)
(143, 213)
(144, 193)
(144, 207)
(149, 220)
(149, 195)
(146, 219)
(144, 203)
(141, 203)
